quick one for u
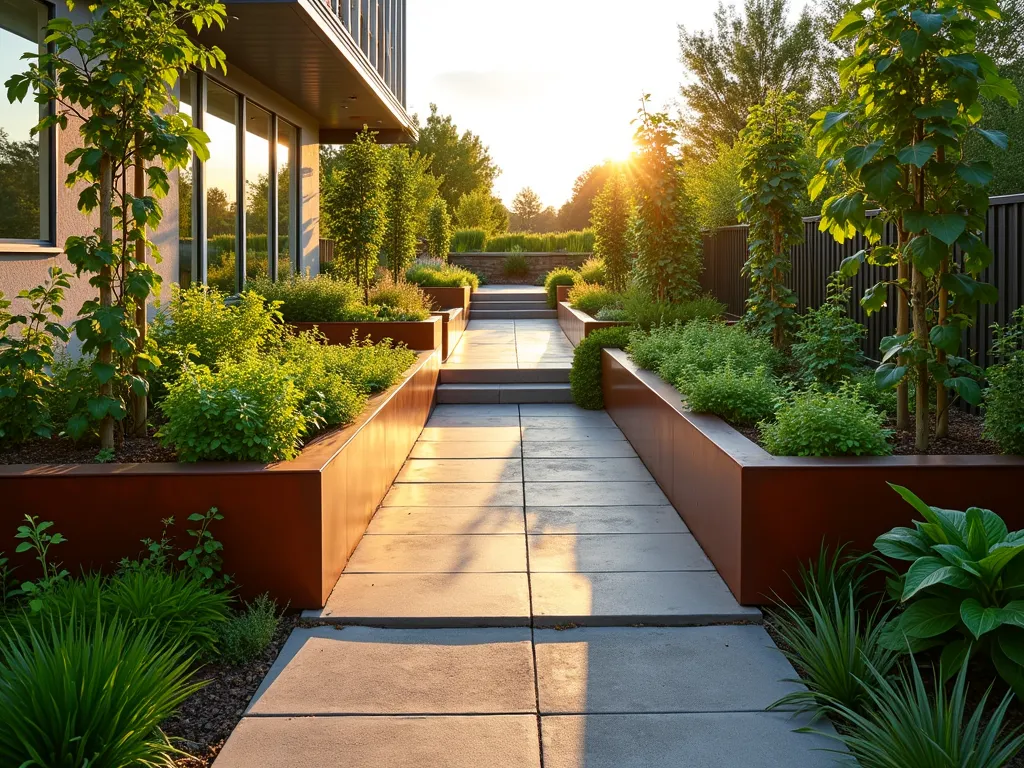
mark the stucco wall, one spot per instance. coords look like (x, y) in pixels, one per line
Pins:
(23, 266)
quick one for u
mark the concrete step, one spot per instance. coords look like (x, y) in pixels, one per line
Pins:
(481, 297)
(509, 305)
(512, 314)
(504, 375)
(550, 392)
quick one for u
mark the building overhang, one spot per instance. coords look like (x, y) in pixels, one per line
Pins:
(301, 49)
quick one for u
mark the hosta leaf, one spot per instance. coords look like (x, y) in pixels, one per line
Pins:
(930, 617)
(977, 536)
(1013, 613)
(1009, 670)
(978, 619)
(953, 656)
(1011, 642)
(902, 544)
(995, 528)
(929, 571)
(958, 556)
(998, 558)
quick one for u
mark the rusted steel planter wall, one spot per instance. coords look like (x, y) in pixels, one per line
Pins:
(453, 325)
(415, 334)
(758, 516)
(562, 292)
(578, 325)
(288, 528)
(446, 298)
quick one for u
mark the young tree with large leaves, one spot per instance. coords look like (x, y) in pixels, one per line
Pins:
(773, 182)
(356, 197)
(664, 234)
(399, 245)
(115, 74)
(901, 146)
(610, 219)
(439, 230)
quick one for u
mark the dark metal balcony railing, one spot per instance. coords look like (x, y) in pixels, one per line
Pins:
(378, 28)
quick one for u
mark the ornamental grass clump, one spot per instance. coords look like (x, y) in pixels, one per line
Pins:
(818, 422)
(247, 634)
(516, 265)
(593, 270)
(591, 298)
(438, 274)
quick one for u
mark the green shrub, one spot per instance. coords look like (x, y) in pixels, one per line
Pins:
(75, 693)
(552, 242)
(828, 339)
(438, 229)
(320, 299)
(592, 271)
(435, 274)
(399, 300)
(835, 645)
(244, 411)
(612, 314)
(585, 376)
(1004, 400)
(516, 265)
(199, 320)
(592, 298)
(466, 240)
(822, 423)
(961, 590)
(246, 635)
(328, 397)
(370, 367)
(646, 312)
(883, 400)
(556, 277)
(738, 397)
(70, 385)
(910, 724)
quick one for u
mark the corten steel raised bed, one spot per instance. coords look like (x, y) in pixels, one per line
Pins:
(453, 325)
(562, 292)
(758, 516)
(415, 334)
(578, 325)
(288, 528)
(446, 298)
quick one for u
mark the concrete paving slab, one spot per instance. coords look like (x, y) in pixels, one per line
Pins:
(429, 600)
(473, 410)
(454, 494)
(438, 554)
(584, 419)
(570, 450)
(461, 471)
(660, 669)
(478, 420)
(383, 742)
(554, 409)
(467, 449)
(685, 598)
(448, 520)
(571, 434)
(616, 552)
(662, 519)
(464, 434)
(594, 494)
(372, 671)
(711, 740)
(575, 470)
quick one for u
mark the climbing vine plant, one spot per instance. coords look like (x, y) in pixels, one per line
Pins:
(900, 146)
(773, 183)
(610, 219)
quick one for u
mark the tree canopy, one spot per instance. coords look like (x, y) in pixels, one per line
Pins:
(461, 161)
(526, 207)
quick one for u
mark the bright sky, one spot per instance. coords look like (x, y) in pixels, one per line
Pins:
(549, 85)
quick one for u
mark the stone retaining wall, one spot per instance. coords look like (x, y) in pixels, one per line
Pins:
(491, 266)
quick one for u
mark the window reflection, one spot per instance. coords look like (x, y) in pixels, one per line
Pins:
(286, 151)
(221, 174)
(257, 191)
(186, 233)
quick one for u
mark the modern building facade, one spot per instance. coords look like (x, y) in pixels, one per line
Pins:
(300, 73)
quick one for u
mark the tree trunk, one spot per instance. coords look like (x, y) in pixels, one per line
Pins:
(902, 328)
(921, 337)
(941, 393)
(140, 403)
(105, 353)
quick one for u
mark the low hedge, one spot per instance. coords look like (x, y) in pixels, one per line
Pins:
(585, 376)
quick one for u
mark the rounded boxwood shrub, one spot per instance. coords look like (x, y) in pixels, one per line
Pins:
(585, 376)
(555, 278)
(822, 423)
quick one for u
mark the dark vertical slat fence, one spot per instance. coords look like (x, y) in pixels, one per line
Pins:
(814, 260)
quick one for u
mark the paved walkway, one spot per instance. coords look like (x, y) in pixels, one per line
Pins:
(502, 580)
(512, 345)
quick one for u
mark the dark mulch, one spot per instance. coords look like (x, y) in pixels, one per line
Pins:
(965, 438)
(206, 719)
(61, 450)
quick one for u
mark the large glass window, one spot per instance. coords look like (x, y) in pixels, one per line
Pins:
(26, 179)
(287, 152)
(220, 122)
(257, 191)
(186, 219)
